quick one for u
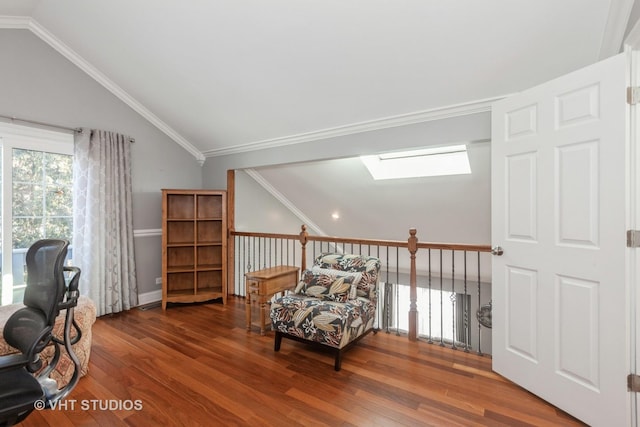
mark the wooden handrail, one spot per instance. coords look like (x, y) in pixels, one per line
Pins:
(355, 241)
(265, 235)
(372, 242)
(454, 247)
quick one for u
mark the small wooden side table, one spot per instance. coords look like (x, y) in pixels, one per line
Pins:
(262, 285)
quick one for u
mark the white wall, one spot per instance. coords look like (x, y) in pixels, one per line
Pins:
(39, 84)
(257, 210)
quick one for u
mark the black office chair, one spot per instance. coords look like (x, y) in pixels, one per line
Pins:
(30, 330)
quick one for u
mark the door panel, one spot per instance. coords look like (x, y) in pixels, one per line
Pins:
(578, 194)
(577, 331)
(521, 200)
(522, 306)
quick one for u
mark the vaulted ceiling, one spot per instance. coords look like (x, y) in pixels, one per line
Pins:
(230, 76)
(220, 76)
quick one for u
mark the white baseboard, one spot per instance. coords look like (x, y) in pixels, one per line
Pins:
(150, 297)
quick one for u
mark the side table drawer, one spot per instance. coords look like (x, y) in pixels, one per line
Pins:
(253, 287)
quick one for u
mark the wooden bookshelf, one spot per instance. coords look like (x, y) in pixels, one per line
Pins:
(194, 246)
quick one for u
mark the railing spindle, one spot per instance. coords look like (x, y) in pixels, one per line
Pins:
(430, 340)
(465, 308)
(479, 305)
(396, 288)
(441, 304)
(387, 302)
(453, 299)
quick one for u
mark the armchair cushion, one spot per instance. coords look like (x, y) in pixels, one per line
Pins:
(328, 285)
(368, 267)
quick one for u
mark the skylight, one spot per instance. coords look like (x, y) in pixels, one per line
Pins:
(439, 161)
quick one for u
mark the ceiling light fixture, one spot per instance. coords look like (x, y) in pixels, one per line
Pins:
(438, 161)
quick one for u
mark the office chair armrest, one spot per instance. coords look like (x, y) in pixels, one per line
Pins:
(75, 279)
(73, 293)
(12, 361)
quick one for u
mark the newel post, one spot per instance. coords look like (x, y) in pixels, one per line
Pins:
(413, 293)
(303, 242)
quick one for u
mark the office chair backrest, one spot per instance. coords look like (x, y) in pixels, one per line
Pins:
(45, 276)
(29, 328)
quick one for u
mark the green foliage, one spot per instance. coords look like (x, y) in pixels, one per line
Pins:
(42, 196)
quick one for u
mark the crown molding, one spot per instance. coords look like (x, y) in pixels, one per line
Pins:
(28, 23)
(282, 199)
(14, 22)
(440, 113)
(613, 35)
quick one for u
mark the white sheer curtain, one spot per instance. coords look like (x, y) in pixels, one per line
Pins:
(102, 222)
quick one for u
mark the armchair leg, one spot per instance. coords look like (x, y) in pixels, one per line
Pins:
(277, 342)
(338, 364)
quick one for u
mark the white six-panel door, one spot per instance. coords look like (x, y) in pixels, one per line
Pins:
(559, 206)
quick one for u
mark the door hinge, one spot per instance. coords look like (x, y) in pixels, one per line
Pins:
(633, 383)
(633, 95)
(633, 238)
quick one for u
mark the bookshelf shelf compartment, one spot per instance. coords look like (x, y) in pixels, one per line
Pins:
(209, 231)
(180, 232)
(180, 206)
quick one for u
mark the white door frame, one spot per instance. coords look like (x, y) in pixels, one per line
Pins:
(632, 48)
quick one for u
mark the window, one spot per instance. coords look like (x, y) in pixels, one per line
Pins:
(438, 161)
(36, 181)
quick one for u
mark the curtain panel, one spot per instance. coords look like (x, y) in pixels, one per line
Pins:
(103, 220)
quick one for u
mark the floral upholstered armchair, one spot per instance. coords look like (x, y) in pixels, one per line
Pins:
(334, 304)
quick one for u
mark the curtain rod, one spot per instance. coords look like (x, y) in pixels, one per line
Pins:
(79, 130)
(16, 119)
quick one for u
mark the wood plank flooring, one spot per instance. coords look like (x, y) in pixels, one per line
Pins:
(196, 365)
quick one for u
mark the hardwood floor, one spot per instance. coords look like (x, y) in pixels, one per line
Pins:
(197, 365)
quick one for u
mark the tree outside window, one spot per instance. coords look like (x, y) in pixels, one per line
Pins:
(42, 197)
